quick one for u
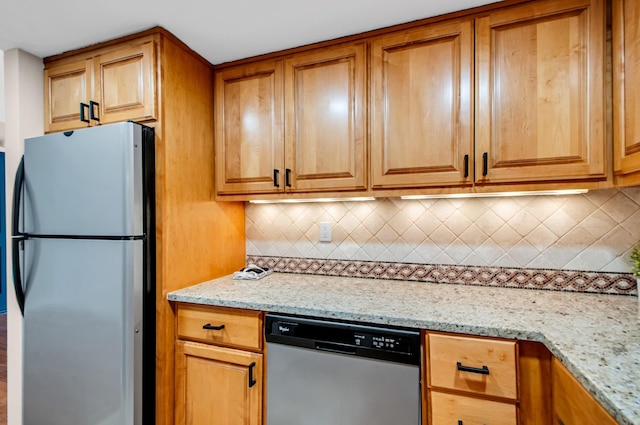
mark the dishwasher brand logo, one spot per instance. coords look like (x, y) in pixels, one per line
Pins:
(283, 329)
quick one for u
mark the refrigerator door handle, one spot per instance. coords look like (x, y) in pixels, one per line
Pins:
(18, 236)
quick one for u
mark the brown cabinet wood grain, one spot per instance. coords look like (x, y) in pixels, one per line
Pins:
(450, 409)
(572, 404)
(125, 84)
(293, 125)
(540, 92)
(325, 139)
(217, 386)
(475, 365)
(422, 107)
(120, 78)
(626, 89)
(249, 134)
(220, 326)
(66, 86)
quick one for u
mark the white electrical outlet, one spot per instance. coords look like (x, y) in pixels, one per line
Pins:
(325, 231)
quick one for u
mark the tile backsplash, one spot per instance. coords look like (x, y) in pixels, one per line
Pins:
(590, 232)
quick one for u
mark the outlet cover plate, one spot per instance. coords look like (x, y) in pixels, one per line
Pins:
(325, 231)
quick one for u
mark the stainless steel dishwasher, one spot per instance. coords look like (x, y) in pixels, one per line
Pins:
(325, 372)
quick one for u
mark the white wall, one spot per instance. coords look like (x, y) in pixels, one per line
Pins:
(24, 118)
(2, 118)
(2, 113)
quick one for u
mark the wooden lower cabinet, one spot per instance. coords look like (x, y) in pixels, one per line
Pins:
(475, 365)
(221, 380)
(572, 403)
(450, 409)
(217, 385)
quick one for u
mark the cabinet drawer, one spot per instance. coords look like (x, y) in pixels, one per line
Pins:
(476, 365)
(448, 409)
(215, 325)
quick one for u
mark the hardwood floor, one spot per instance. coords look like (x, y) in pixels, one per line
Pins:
(3, 369)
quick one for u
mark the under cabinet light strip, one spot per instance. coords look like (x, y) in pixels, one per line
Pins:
(299, 201)
(496, 194)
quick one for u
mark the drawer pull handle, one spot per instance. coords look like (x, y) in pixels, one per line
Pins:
(460, 422)
(482, 371)
(210, 327)
(252, 380)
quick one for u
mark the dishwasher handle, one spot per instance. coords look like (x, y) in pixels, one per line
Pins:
(334, 348)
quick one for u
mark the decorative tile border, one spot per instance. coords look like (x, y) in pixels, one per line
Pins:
(555, 280)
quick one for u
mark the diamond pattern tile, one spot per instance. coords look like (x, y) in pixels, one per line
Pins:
(590, 232)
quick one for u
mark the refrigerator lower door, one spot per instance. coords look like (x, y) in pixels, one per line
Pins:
(82, 332)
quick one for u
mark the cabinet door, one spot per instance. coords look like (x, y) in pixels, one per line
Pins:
(125, 82)
(325, 119)
(422, 115)
(65, 87)
(540, 92)
(450, 409)
(248, 129)
(213, 386)
(626, 92)
(572, 404)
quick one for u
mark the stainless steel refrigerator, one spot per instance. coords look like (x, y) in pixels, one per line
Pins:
(84, 276)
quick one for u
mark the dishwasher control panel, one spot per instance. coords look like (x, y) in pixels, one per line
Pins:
(381, 342)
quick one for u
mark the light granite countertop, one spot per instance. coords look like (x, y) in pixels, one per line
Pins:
(597, 337)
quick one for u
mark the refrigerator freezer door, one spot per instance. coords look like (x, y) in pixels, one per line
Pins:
(82, 332)
(87, 182)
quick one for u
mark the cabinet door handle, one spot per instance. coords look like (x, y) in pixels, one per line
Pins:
(485, 164)
(275, 177)
(83, 117)
(93, 113)
(460, 422)
(210, 327)
(252, 381)
(482, 371)
(287, 177)
(466, 166)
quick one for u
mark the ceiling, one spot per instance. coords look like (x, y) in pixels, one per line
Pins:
(220, 30)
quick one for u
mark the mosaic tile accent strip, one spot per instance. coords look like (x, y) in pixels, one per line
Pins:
(555, 280)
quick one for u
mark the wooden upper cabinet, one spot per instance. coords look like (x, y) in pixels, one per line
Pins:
(65, 87)
(325, 139)
(120, 78)
(125, 84)
(421, 107)
(249, 137)
(292, 126)
(540, 92)
(626, 82)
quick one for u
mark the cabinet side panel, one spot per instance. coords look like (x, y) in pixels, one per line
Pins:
(534, 380)
(197, 238)
(572, 404)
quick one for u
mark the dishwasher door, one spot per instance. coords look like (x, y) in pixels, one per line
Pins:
(315, 386)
